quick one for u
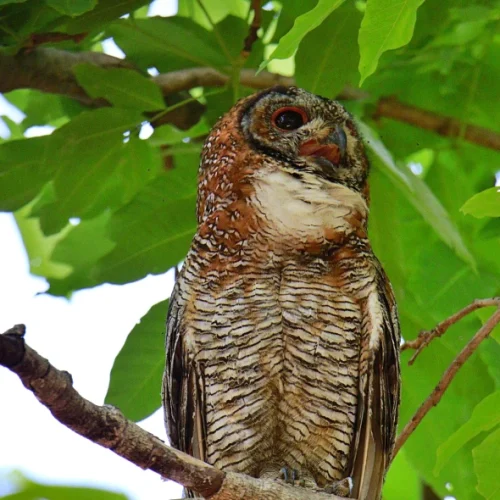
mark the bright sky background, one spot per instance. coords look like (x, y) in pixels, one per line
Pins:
(83, 336)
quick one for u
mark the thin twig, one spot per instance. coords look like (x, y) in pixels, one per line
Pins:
(254, 27)
(426, 336)
(106, 426)
(452, 370)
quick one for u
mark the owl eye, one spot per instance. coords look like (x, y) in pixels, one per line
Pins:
(289, 118)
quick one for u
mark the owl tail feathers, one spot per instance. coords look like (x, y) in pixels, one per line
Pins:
(369, 469)
(370, 460)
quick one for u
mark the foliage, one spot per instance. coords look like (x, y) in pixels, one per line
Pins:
(26, 489)
(98, 201)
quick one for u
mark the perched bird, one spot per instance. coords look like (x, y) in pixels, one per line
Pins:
(282, 331)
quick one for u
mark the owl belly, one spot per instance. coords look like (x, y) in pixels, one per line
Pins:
(279, 354)
(239, 346)
(317, 411)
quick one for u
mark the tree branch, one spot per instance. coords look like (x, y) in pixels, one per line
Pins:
(51, 70)
(106, 426)
(426, 336)
(446, 126)
(457, 363)
(253, 29)
(186, 79)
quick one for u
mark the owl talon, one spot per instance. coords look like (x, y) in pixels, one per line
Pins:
(289, 476)
(295, 478)
(342, 488)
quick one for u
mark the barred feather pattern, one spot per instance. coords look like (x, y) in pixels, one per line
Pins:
(278, 350)
(282, 332)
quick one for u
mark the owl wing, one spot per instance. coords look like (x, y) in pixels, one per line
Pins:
(379, 391)
(183, 387)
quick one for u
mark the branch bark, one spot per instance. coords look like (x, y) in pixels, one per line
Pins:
(446, 126)
(106, 426)
(457, 363)
(51, 70)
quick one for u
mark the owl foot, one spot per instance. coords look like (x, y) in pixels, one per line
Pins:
(295, 478)
(289, 476)
(342, 488)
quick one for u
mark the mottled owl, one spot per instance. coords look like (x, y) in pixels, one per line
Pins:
(282, 331)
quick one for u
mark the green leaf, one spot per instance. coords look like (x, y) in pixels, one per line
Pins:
(217, 9)
(484, 315)
(169, 135)
(89, 241)
(485, 416)
(332, 50)
(15, 129)
(167, 43)
(39, 247)
(489, 351)
(486, 460)
(491, 229)
(402, 480)
(71, 7)
(386, 25)
(123, 88)
(79, 249)
(138, 164)
(25, 167)
(484, 204)
(153, 232)
(20, 20)
(5, 2)
(86, 152)
(303, 25)
(29, 490)
(290, 10)
(105, 12)
(135, 381)
(232, 31)
(419, 195)
(44, 109)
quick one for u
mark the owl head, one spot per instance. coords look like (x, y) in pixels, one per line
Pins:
(309, 135)
(303, 137)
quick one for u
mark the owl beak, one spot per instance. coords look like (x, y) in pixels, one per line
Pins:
(332, 150)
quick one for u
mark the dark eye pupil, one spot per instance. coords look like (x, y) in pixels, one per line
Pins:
(289, 120)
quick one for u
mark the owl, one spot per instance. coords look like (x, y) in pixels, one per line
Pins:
(282, 346)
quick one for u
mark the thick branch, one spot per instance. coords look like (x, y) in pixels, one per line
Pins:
(50, 70)
(186, 79)
(106, 426)
(446, 126)
(457, 363)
